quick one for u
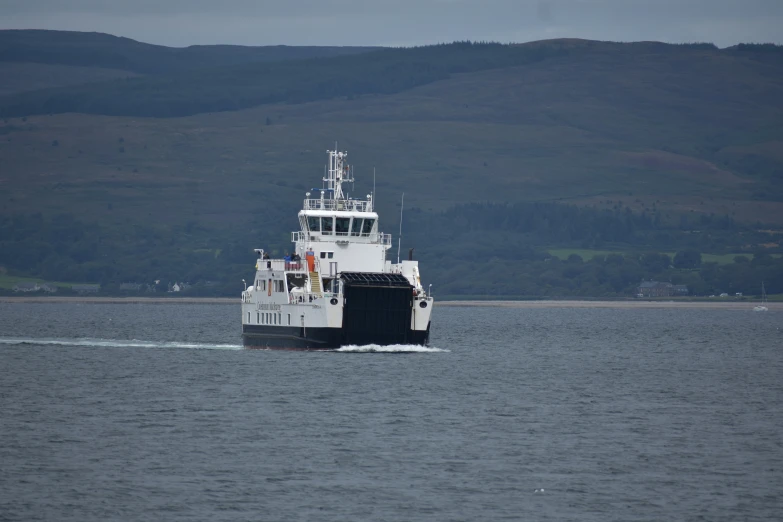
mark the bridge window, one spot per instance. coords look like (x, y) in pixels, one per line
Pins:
(314, 223)
(342, 226)
(356, 227)
(367, 226)
(327, 226)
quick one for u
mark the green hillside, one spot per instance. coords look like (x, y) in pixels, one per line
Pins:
(633, 148)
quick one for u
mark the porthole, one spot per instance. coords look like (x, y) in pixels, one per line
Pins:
(423, 304)
(333, 301)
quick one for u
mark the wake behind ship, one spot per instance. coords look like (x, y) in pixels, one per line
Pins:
(337, 288)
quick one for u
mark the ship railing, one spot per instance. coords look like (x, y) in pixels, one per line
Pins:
(383, 239)
(354, 205)
(282, 264)
(298, 298)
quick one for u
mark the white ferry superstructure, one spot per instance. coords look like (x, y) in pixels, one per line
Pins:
(337, 288)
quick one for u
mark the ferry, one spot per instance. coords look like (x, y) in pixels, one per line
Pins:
(336, 288)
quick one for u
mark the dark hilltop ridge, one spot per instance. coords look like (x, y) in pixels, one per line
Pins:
(114, 52)
(554, 168)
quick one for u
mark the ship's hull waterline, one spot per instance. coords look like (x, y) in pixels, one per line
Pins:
(297, 338)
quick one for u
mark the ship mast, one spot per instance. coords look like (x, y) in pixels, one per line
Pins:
(338, 173)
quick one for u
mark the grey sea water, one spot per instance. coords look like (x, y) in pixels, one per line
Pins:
(155, 412)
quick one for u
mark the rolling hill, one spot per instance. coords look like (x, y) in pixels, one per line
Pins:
(211, 161)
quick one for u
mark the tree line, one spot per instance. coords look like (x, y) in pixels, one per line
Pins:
(471, 249)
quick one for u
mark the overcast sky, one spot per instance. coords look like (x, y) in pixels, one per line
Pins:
(403, 22)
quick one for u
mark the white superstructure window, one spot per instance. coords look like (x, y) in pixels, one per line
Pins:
(342, 226)
(327, 226)
(367, 226)
(356, 227)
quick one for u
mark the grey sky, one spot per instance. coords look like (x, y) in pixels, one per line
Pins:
(403, 22)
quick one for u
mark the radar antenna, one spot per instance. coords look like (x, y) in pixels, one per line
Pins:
(338, 173)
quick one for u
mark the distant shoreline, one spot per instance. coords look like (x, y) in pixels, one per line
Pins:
(640, 304)
(120, 300)
(549, 303)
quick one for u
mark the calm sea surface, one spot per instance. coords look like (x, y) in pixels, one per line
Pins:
(155, 412)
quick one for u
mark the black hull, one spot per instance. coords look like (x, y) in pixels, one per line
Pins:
(296, 338)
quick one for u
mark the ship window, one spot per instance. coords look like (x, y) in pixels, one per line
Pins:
(274, 318)
(268, 319)
(367, 226)
(330, 255)
(314, 223)
(327, 226)
(356, 227)
(323, 255)
(342, 225)
(248, 318)
(258, 318)
(289, 319)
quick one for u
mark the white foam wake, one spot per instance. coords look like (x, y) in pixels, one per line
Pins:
(116, 343)
(392, 348)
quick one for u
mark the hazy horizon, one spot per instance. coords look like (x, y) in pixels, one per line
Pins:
(181, 23)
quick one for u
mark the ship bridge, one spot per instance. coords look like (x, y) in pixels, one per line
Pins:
(341, 231)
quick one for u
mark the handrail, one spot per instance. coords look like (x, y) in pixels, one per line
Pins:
(353, 205)
(283, 265)
(375, 238)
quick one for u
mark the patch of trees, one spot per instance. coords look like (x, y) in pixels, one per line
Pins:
(549, 224)
(612, 275)
(468, 250)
